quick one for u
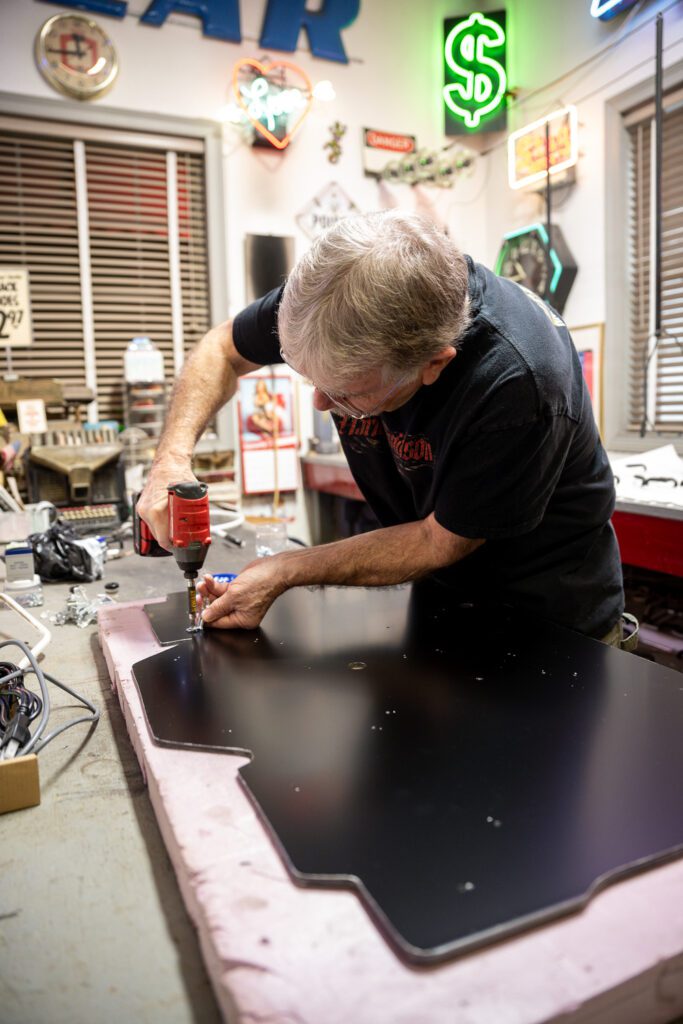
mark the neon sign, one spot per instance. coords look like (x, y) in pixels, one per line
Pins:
(605, 9)
(274, 108)
(474, 73)
(527, 148)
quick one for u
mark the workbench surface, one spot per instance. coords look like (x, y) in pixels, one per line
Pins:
(94, 926)
(276, 951)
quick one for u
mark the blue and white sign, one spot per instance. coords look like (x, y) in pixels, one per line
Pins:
(282, 22)
(605, 9)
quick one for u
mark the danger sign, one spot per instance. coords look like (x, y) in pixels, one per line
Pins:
(380, 147)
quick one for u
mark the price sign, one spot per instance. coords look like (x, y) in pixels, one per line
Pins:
(530, 158)
(31, 416)
(15, 309)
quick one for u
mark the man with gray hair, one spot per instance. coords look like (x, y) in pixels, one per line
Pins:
(462, 409)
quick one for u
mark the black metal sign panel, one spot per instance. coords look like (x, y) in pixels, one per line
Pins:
(468, 774)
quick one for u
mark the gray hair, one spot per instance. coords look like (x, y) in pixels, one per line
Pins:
(385, 290)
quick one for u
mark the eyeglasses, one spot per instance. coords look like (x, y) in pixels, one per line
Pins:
(342, 405)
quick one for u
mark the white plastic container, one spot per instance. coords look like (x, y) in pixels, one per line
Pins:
(19, 565)
(143, 362)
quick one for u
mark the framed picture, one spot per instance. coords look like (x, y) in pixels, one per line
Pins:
(267, 433)
(589, 342)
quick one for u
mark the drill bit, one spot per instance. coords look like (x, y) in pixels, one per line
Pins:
(195, 618)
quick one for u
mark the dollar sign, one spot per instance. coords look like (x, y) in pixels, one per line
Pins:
(483, 79)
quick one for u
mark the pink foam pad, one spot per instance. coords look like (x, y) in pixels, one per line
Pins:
(278, 952)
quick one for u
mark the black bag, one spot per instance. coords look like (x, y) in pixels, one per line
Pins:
(59, 554)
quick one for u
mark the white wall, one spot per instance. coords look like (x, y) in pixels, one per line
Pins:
(592, 215)
(392, 82)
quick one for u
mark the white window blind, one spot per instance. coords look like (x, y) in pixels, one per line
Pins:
(662, 399)
(39, 230)
(193, 243)
(147, 247)
(129, 261)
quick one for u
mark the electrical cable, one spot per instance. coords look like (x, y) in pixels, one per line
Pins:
(45, 634)
(17, 741)
(220, 529)
(646, 423)
(15, 696)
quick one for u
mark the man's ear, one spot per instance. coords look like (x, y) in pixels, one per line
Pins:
(437, 364)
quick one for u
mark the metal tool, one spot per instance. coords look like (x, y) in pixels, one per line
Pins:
(189, 533)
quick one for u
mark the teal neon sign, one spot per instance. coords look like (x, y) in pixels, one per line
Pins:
(474, 73)
(554, 258)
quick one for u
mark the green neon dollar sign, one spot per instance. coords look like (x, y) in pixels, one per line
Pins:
(483, 79)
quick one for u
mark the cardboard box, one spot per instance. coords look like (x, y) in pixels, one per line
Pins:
(19, 783)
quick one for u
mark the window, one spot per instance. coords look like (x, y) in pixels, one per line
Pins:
(112, 228)
(659, 397)
(39, 230)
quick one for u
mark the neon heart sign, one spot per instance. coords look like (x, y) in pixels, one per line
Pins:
(270, 101)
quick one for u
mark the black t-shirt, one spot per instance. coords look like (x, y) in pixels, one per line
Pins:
(502, 446)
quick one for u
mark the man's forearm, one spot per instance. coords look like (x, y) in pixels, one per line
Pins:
(395, 554)
(206, 382)
(384, 557)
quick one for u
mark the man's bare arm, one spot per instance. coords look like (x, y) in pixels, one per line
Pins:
(395, 554)
(207, 381)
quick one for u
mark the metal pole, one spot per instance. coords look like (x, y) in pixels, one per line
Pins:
(651, 349)
(547, 181)
(659, 116)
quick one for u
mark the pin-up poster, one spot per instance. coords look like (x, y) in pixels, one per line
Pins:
(267, 427)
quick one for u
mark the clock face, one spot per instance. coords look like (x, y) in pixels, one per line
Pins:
(540, 262)
(526, 262)
(76, 56)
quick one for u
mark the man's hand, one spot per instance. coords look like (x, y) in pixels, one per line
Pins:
(153, 502)
(242, 603)
(207, 381)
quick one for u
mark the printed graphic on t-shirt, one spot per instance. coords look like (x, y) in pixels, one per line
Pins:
(554, 317)
(361, 435)
(410, 451)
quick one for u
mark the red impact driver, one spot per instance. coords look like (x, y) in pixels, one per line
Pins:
(189, 532)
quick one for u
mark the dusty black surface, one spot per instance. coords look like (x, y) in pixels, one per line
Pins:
(475, 777)
(169, 619)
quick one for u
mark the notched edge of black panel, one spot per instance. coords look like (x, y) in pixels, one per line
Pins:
(416, 955)
(426, 957)
(174, 744)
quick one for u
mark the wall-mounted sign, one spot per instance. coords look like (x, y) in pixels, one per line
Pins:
(31, 416)
(440, 168)
(379, 147)
(527, 148)
(15, 309)
(282, 22)
(541, 264)
(475, 78)
(275, 97)
(330, 205)
(605, 9)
